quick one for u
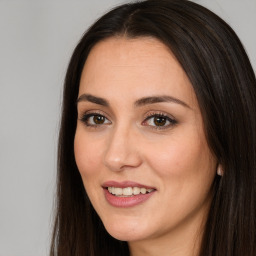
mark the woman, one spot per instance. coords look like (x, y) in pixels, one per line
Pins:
(157, 150)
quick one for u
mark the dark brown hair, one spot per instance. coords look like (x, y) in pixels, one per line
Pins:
(224, 82)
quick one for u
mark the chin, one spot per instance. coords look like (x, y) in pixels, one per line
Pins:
(126, 231)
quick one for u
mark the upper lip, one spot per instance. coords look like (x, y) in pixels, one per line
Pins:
(124, 184)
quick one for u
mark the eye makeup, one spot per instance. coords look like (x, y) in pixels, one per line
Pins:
(94, 119)
(153, 119)
(159, 120)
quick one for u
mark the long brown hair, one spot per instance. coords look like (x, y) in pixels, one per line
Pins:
(224, 82)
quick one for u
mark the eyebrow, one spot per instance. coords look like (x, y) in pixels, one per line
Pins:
(158, 99)
(138, 103)
(93, 99)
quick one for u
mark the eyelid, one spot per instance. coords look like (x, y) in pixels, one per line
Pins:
(159, 113)
(84, 117)
(153, 114)
(93, 111)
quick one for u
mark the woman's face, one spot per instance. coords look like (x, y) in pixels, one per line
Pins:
(139, 145)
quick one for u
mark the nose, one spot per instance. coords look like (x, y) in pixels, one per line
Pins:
(122, 150)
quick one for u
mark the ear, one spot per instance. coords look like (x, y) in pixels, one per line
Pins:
(220, 170)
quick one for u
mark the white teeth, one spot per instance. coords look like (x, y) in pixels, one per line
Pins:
(136, 191)
(118, 191)
(143, 190)
(129, 191)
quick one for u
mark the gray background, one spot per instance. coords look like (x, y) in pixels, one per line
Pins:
(36, 41)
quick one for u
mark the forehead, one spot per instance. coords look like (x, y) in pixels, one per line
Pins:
(123, 52)
(133, 66)
(146, 47)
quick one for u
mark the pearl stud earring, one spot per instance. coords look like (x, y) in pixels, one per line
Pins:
(220, 170)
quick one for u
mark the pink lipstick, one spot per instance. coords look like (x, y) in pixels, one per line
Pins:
(126, 193)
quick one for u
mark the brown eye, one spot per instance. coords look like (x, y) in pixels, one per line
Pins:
(94, 119)
(160, 121)
(97, 119)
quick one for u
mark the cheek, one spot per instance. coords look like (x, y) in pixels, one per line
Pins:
(88, 160)
(87, 154)
(181, 159)
(185, 170)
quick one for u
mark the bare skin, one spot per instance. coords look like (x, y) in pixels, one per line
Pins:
(158, 142)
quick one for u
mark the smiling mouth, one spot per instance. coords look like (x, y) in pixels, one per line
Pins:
(129, 191)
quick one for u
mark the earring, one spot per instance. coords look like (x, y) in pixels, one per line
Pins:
(220, 170)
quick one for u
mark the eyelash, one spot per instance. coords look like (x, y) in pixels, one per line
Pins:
(85, 119)
(166, 118)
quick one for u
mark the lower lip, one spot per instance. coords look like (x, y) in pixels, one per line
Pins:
(125, 202)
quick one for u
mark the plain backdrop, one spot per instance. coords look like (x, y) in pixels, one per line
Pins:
(36, 42)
